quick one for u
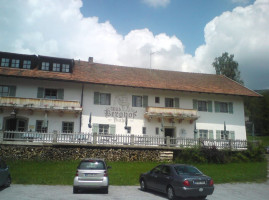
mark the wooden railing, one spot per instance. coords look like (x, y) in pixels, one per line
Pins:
(130, 139)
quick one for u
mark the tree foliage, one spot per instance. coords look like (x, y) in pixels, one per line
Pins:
(258, 111)
(226, 65)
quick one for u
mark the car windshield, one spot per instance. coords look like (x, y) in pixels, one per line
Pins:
(92, 165)
(187, 170)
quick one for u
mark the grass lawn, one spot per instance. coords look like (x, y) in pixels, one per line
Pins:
(127, 173)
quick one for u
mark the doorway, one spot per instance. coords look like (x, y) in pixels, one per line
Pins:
(169, 132)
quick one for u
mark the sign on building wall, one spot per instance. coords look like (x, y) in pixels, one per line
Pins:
(120, 109)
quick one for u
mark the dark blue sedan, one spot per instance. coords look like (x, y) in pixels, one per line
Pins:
(177, 180)
(5, 178)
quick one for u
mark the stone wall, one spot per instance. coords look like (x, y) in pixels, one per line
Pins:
(54, 152)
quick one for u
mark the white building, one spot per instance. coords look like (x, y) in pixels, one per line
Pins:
(68, 94)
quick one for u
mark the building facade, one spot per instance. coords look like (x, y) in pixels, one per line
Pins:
(46, 94)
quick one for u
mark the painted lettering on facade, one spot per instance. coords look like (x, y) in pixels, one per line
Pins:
(120, 109)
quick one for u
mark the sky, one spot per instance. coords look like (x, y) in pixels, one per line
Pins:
(177, 35)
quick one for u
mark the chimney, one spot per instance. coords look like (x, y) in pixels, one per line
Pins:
(90, 60)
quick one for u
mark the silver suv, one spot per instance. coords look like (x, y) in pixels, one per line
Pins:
(91, 174)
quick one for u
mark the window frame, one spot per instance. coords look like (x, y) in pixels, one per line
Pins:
(169, 102)
(51, 92)
(45, 66)
(56, 67)
(65, 68)
(5, 62)
(39, 127)
(15, 63)
(67, 125)
(137, 101)
(202, 106)
(26, 64)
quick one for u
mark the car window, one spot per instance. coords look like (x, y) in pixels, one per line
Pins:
(166, 170)
(92, 165)
(187, 170)
(156, 169)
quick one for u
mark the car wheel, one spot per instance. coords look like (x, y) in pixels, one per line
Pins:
(143, 185)
(8, 182)
(170, 193)
(75, 190)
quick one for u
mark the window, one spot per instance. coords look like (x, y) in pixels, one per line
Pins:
(50, 93)
(202, 106)
(102, 98)
(40, 128)
(7, 91)
(144, 130)
(137, 101)
(157, 99)
(203, 134)
(169, 102)
(4, 62)
(65, 68)
(224, 107)
(56, 67)
(224, 135)
(15, 63)
(68, 127)
(157, 130)
(205, 106)
(26, 64)
(45, 66)
(103, 129)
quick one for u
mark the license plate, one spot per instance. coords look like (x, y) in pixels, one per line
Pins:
(199, 182)
(90, 175)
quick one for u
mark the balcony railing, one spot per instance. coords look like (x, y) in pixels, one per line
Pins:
(131, 140)
(40, 104)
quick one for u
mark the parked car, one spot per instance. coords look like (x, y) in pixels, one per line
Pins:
(177, 180)
(5, 178)
(91, 174)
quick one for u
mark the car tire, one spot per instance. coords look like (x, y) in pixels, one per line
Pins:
(170, 193)
(75, 190)
(8, 182)
(143, 185)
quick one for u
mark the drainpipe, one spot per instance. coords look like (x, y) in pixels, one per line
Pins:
(81, 104)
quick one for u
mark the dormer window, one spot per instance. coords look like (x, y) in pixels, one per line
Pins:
(56, 67)
(65, 68)
(26, 64)
(4, 62)
(15, 63)
(45, 66)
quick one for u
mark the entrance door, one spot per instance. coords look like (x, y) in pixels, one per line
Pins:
(15, 124)
(169, 132)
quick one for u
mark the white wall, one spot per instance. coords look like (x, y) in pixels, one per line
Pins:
(72, 91)
(27, 88)
(207, 120)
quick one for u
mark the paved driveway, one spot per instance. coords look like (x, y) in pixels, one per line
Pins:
(251, 191)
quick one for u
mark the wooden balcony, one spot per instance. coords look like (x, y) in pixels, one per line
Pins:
(32, 104)
(171, 114)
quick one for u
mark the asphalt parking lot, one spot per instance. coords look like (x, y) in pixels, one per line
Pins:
(246, 191)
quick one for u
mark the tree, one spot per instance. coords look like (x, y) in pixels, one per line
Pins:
(225, 65)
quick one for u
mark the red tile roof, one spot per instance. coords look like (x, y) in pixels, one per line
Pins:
(138, 77)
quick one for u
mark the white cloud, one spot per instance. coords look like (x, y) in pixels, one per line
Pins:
(156, 3)
(57, 28)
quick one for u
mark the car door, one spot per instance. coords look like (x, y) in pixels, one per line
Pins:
(153, 177)
(164, 178)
